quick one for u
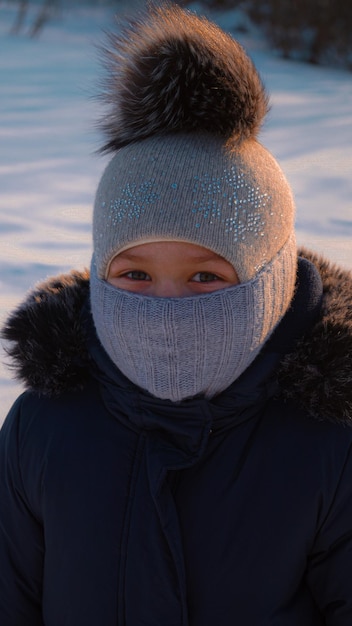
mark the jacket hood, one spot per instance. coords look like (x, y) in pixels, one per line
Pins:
(46, 339)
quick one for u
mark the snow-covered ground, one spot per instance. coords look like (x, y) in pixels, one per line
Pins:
(49, 171)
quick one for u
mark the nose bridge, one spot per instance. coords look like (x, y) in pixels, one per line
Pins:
(168, 288)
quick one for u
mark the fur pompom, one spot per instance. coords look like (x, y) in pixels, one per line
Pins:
(171, 70)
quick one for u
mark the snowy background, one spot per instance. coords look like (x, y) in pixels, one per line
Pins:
(49, 170)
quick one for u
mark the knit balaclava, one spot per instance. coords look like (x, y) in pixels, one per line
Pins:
(185, 106)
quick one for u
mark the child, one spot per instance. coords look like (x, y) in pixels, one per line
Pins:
(182, 455)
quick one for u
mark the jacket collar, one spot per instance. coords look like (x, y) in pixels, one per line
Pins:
(47, 338)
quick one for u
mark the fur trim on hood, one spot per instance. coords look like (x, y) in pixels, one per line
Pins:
(47, 343)
(318, 374)
(47, 340)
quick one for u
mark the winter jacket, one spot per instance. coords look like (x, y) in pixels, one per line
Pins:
(119, 509)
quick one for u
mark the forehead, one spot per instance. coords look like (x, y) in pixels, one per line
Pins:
(181, 249)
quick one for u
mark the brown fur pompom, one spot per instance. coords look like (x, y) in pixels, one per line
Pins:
(171, 70)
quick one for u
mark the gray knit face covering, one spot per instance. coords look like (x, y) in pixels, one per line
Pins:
(177, 348)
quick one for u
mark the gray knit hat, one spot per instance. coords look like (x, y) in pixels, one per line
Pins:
(185, 104)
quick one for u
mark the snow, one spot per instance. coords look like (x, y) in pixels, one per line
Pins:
(49, 169)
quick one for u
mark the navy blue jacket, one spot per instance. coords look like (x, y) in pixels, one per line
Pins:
(119, 509)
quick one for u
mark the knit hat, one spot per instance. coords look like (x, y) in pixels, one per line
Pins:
(184, 106)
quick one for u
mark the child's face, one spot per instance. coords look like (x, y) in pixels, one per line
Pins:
(170, 269)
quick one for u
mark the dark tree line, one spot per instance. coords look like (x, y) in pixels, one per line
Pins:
(317, 31)
(320, 29)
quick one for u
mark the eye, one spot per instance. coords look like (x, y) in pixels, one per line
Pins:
(205, 277)
(137, 275)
